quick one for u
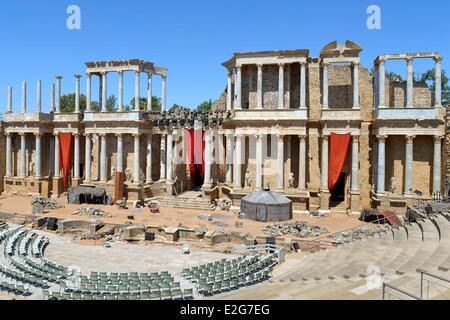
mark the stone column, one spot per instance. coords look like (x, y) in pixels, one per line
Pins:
(437, 164)
(22, 159)
(438, 82)
(381, 180)
(119, 164)
(120, 98)
(238, 162)
(163, 98)
(169, 158)
(356, 86)
(148, 169)
(24, 96)
(88, 92)
(87, 158)
(37, 163)
(381, 85)
(355, 163)
(303, 85)
(325, 86)
(52, 98)
(8, 155)
(259, 94)
(39, 96)
(208, 157)
(324, 174)
(58, 94)
(409, 83)
(137, 91)
(136, 169)
(302, 164)
(229, 158)
(280, 86)
(103, 163)
(77, 93)
(238, 87)
(259, 162)
(229, 90)
(280, 162)
(10, 93)
(57, 173)
(162, 158)
(409, 165)
(149, 92)
(104, 92)
(76, 156)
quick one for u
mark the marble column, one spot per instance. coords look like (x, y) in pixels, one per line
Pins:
(120, 92)
(169, 158)
(163, 98)
(24, 97)
(280, 163)
(409, 165)
(10, 94)
(76, 156)
(37, 162)
(119, 164)
(148, 170)
(303, 85)
(52, 98)
(259, 94)
(8, 155)
(104, 91)
(302, 164)
(356, 86)
(381, 85)
(22, 159)
(57, 173)
(325, 155)
(88, 92)
(208, 157)
(77, 93)
(409, 83)
(381, 180)
(259, 162)
(58, 94)
(229, 90)
(281, 86)
(162, 158)
(136, 169)
(229, 158)
(137, 91)
(355, 163)
(87, 158)
(437, 164)
(103, 162)
(149, 91)
(238, 162)
(438, 82)
(325, 86)
(39, 96)
(238, 87)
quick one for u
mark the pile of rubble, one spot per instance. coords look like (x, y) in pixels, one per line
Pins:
(318, 214)
(200, 231)
(46, 203)
(223, 203)
(93, 212)
(122, 204)
(356, 234)
(300, 229)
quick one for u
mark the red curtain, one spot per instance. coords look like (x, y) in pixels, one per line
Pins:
(189, 147)
(65, 146)
(339, 145)
(195, 152)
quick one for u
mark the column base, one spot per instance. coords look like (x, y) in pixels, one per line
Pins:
(325, 200)
(57, 186)
(355, 202)
(76, 182)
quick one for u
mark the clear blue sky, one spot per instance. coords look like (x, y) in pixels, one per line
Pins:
(192, 38)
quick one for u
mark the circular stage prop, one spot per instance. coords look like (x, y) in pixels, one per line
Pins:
(266, 205)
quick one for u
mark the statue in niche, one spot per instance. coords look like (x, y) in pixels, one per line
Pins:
(128, 175)
(248, 179)
(291, 180)
(393, 185)
(113, 174)
(31, 171)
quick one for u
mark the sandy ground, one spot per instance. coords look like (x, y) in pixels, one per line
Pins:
(173, 217)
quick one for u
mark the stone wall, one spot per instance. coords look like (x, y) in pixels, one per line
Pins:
(396, 95)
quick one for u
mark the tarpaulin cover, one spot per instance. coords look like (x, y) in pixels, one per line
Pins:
(65, 147)
(195, 153)
(339, 144)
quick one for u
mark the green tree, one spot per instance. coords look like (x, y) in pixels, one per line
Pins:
(68, 103)
(156, 104)
(389, 75)
(429, 79)
(205, 106)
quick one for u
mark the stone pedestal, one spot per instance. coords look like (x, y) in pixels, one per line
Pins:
(355, 202)
(134, 192)
(325, 201)
(76, 182)
(57, 186)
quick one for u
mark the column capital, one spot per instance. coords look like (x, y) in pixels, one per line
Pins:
(119, 136)
(87, 135)
(303, 63)
(355, 138)
(76, 134)
(120, 72)
(302, 137)
(238, 67)
(8, 134)
(77, 76)
(259, 136)
(259, 65)
(239, 135)
(382, 138)
(58, 77)
(136, 135)
(137, 72)
(88, 75)
(437, 59)
(356, 64)
(164, 77)
(280, 136)
(409, 60)
(102, 135)
(325, 64)
(103, 73)
(381, 61)
(38, 134)
(438, 139)
(409, 138)
(229, 73)
(325, 137)
(281, 64)
(21, 134)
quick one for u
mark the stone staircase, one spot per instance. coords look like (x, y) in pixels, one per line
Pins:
(343, 272)
(184, 203)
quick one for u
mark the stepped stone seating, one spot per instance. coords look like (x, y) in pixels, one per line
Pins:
(186, 203)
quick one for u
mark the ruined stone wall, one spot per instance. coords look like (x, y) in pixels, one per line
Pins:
(340, 87)
(396, 95)
(446, 151)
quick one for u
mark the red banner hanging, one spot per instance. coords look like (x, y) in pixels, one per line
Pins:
(65, 146)
(339, 145)
(195, 153)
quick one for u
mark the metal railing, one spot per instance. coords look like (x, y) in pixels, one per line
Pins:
(386, 292)
(264, 248)
(435, 285)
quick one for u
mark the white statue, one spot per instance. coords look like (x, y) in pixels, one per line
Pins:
(291, 180)
(393, 185)
(128, 175)
(248, 178)
(113, 174)
(31, 171)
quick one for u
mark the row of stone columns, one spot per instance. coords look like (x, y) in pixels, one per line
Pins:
(325, 100)
(409, 159)
(260, 93)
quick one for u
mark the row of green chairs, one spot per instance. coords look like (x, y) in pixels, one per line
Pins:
(14, 288)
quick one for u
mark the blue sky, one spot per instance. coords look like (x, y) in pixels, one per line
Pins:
(192, 38)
